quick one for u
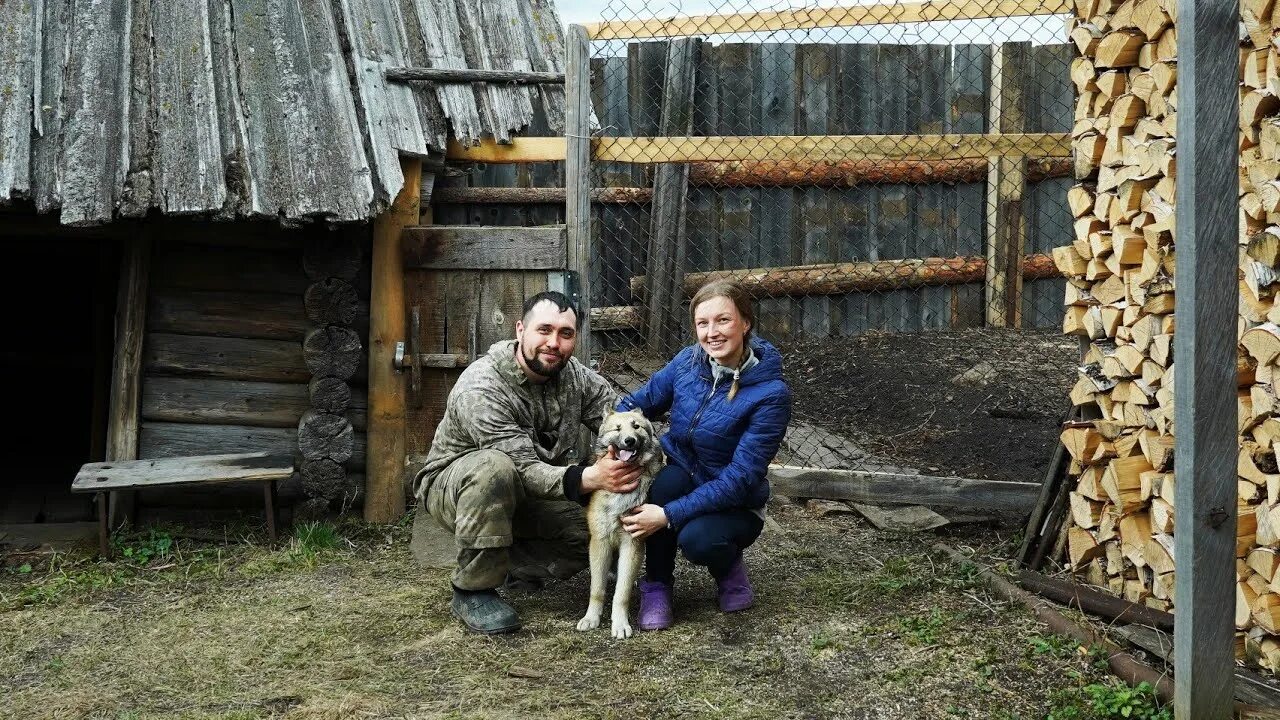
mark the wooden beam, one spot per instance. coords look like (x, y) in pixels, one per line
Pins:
(898, 488)
(818, 147)
(577, 174)
(126, 374)
(472, 75)
(621, 317)
(816, 18)
(1205, 355)
(840, 278)
(664, 325)
(770, 147)
(519, 150)
(239, 467)
(384, 464)
(849, 173)
(534, 196)
(480, 247)
(1006, 184)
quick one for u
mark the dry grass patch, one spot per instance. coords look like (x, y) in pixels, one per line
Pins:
(851, 623)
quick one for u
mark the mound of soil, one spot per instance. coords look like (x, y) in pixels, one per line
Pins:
(981, 403)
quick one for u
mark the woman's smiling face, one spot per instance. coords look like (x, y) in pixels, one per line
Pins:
(721, 330)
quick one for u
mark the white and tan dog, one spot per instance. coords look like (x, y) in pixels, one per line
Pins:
(634, 441)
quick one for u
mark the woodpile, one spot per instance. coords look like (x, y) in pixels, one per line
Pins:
(1120, 297)
(332, 351)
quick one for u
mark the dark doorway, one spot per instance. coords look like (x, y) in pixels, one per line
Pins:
(61, 295)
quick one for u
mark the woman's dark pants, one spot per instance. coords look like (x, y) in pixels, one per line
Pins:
(715, 540)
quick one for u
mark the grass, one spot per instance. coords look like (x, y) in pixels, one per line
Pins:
(338, 622)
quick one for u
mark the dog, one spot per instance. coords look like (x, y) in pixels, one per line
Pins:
(634, 441)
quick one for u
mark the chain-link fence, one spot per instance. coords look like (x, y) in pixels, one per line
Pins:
(887, 186)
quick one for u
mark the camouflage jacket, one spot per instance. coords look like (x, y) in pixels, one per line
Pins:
(493, 405)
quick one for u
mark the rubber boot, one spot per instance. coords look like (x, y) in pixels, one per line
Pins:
(655, 605)
(734, 589)
(484, 611)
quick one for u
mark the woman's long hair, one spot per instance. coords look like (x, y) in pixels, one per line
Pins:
(742, 301)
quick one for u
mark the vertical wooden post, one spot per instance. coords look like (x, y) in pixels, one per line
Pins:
(1006, 184)
(577, 175)
(664, 289)
(384, 463)
(1205, 355)
(126, 372)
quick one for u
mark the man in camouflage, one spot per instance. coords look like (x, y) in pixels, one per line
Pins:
(502, 472)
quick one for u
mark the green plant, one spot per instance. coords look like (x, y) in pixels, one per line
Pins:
(316, 536)
(141, 550)
(1060, 646)
(1117, 700)
(924, 630)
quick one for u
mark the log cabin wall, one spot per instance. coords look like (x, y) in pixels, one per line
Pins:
(1120, 297)
(223, 362)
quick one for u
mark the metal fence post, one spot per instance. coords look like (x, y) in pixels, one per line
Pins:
(1205, 356)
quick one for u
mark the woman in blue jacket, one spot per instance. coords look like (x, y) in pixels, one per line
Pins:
(729, 410)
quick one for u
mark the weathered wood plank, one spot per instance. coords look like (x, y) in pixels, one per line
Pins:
(235, 402)
(94, 96)
(163, 439)
(926, 490)
(822, 17)
(18, 35)
(48, 80)
(304, 147)
(577, 169)
(229, 358)
(1006, 185)
(378, 38)
(189, 157)
(265, 316)
(484, 248)
(126, 375)
(426, 75)
(535, 195)
(664, 326)
(239, 467)
(1204, 352)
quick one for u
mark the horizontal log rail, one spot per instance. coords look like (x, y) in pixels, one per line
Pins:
(470, 75)
(830, 279)
(817, 18)
(870, 276)
(828, 147)
(784, 173)
(772, 148)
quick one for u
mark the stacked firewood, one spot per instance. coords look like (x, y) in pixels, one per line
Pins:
(1120, 296)
(332, 350)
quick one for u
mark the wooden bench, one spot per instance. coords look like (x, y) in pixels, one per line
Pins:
(101, 478)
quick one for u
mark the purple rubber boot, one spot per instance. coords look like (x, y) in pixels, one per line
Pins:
(734, 589)
(655, 605)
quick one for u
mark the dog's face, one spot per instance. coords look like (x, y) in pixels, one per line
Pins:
(630, 433)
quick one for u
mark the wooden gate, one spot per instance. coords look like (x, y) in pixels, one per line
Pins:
(464, 288)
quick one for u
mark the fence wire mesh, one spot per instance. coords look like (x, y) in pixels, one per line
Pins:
(888, 189)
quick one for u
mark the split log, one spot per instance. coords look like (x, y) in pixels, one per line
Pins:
(323, 478)
(842, 278)
(622, 317)
(330, 394)
(332, 351)
(325, 435)
(331, 301)
(332, 255)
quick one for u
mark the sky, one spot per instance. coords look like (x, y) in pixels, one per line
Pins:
(1040, 30)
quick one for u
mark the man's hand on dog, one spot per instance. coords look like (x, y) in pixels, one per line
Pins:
(644, 521)
(610, 473)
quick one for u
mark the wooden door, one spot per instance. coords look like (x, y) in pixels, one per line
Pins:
(468, 284)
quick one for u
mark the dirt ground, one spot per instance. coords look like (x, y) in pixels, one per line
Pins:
(973, 403)
(851, 622)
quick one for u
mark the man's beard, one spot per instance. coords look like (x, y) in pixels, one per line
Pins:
(536, 365)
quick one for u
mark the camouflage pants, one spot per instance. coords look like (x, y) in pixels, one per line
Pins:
(500, 529)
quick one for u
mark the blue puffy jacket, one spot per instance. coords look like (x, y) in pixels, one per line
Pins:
(725, 445)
